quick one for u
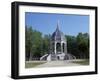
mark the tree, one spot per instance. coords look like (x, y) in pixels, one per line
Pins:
(37, 42)
(46, 44)
(28, 41)
(83, 44)
(32, 43)
(78, 45)
(72, 46)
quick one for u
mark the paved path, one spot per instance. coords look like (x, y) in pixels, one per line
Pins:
(58, 63)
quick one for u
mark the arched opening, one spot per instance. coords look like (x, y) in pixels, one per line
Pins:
(58, 48)
(58, 57)
(63, 47)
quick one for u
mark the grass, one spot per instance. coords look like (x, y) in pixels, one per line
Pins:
(32, 64)
(84, 62)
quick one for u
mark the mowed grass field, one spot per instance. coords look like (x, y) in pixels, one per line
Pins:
(33, 64)
(83, 62)
(76, 62)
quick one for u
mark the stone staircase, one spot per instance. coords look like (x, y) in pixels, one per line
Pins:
(53, 57)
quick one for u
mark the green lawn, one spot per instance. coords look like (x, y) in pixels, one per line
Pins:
(32, 64)
(84, 62)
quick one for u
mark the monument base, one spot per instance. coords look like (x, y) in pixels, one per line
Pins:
(53, 57)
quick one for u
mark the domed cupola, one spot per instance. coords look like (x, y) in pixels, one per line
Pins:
(57, 35)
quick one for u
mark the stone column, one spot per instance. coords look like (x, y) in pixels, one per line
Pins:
(65, 48)
(55, 47)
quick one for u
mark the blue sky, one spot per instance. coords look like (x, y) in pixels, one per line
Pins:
(46, 23)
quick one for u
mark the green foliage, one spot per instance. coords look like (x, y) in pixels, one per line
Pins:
(36, 44)
(72, 46)
(83, 44)
(79, 45)
(46, 44)
(28, 41)
(33, 42)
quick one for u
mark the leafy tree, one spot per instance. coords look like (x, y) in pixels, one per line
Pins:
(83, 44)
(37, 42)
(28, 41)
(72, 46)
(79, 45)
(32, 43)
(46, 44)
